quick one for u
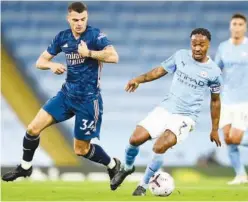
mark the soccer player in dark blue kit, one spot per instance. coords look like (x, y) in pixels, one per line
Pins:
(85, 48)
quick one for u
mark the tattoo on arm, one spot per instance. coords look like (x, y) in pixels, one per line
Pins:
(154, 74)
(108, 55)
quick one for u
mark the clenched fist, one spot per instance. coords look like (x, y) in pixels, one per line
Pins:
(83, 49)
(57, 68)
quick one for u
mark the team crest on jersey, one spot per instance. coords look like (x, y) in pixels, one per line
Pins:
(204, 74)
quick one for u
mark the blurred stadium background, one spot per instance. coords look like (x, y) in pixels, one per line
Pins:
(144, 34)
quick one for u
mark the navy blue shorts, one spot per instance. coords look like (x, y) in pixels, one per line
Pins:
(88, 114)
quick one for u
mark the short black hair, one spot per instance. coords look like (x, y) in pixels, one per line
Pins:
(239, 15)
(201, 31)
(78, 7)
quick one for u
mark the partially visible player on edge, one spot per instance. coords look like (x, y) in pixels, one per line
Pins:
(232, 58)
(171, 121)
(85, 48)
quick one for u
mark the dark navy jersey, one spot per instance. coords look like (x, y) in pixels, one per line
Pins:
(83, 74)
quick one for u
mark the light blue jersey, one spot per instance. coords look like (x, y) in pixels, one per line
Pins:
(233, 60)
(190, 82)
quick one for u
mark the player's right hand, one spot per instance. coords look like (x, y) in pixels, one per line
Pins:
(214, 137)
(57, 68)
(132, 86)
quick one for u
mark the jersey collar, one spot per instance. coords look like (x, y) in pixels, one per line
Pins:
(245, 41)
(200, 63)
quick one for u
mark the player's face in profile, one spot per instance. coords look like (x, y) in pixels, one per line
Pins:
(199, 46)
(238, 27)
(78, 21)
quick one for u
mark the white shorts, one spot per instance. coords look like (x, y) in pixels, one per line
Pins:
(236, 115)
(160, 120)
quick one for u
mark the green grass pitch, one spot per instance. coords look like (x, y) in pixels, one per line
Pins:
(210, 189)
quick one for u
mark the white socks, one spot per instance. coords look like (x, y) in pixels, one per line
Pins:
(111, 164)
(26, 165)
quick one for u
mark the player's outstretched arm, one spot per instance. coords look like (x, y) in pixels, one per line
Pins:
(215, 116)
(154, 74)
(108, 54)
(44, 62)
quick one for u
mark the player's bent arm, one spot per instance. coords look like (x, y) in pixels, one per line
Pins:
(108, 55)
(44, 61)
(215, 110)
(154, 74)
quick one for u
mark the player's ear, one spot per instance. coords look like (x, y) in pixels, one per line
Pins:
(230, 25)
(208, 45)
(68, 18)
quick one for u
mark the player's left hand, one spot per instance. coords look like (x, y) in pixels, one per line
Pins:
(83, 49)
(214, 136)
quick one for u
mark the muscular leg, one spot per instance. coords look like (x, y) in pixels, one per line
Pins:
(139, 136)
(96, 153)
(31, 140)
(41, 121)
(93, 152)
(238, 136)
(163, 143)
(233, 138)
(30, 143)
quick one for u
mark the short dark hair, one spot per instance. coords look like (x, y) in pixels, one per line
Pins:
(239, 15)
(78, 7)
(201, 31)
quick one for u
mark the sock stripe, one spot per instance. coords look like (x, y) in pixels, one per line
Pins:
(97, 155)
(96, 109)
(152, 167)
(152, 170)
(26, 149)
(92, 151)
(133, 147)
(30, 144)
(31, 139)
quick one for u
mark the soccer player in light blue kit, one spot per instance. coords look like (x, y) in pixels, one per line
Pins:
(85, 48)
(232, 58)
(171, 121)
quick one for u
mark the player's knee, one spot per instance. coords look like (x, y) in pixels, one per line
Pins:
(228, 140)
(232, 140)
(235, 140)
(82, 150)
(160, 148)
(134, 140)
(164, 142)
(140, 136)
(33, 130)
